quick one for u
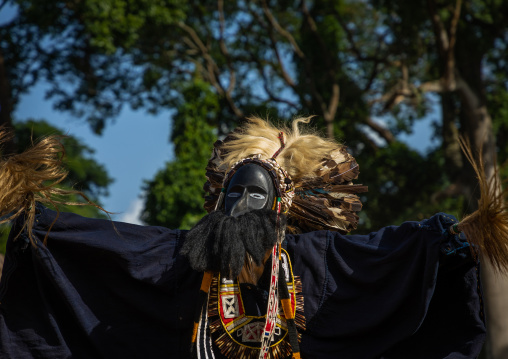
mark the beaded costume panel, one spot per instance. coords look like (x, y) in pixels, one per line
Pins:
(238, 335)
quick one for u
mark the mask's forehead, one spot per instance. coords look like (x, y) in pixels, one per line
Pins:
(265, 165)
(252, 175)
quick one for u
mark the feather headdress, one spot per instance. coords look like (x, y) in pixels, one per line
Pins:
(321, 170)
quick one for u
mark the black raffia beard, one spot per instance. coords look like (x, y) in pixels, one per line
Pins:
(221, 243)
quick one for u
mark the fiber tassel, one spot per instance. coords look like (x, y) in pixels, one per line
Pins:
(201, 305)
(33, 176)
(220, 200)
(486, 229)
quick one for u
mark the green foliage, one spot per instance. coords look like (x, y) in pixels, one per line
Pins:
(91, 52)
(215, 65)
(120, 23)
(4, 234)
(174, 198)
(401, 183)
(85, 174)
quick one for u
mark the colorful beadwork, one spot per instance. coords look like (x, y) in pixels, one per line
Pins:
(239, 335)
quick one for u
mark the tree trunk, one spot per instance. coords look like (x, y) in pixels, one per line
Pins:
(451, 147)
(329, 128)
(477, 126)
(495, 289)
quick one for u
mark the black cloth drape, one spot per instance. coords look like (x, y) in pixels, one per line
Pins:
(103, 289)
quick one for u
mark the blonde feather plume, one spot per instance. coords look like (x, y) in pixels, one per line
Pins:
(302, 156)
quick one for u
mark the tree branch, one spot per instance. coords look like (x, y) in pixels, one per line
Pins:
(439, 29)
(365, 139)
(212, 69)
(308, 68)
(353, 47)
(267, 89)
(273, 42)
(433, 86)
(278, 99)
(386, 134)
(328, 110)
(211, 65)
(284, 73)
(313, 28)
(450, 60)
(224, 50)
(374, 71)
(331, 110)
(399, 92)
(275, 24)
(451, 191)
(454, 23)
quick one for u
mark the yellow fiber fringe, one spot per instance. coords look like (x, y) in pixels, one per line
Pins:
(33, 176)
(487, 228)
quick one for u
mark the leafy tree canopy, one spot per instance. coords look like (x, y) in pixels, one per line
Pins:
(366, 68)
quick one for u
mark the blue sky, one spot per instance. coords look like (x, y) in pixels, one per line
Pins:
(132, 149)
(136, 145)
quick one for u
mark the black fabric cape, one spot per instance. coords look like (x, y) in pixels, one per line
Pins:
(103, 289)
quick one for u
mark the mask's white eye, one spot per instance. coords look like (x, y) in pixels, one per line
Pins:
(257, 196)
(234, 194)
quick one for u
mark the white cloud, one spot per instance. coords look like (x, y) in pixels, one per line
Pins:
(133, 212)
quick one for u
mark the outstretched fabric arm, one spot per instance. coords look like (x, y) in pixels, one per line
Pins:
(410, 291)
(95, 292)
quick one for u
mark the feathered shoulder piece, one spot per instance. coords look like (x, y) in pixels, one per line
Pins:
(322, 172)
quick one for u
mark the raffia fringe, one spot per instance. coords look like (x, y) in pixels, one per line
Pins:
(486, 229)
(33, 176)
